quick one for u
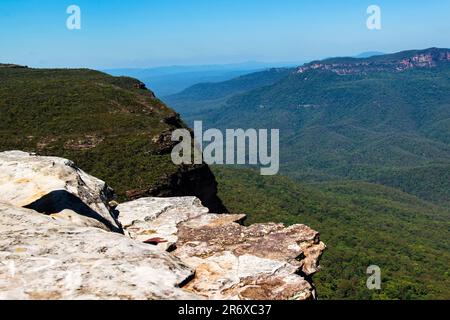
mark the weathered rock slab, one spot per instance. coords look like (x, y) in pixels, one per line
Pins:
(55, 186)
(61, 239)
(231, 261)
(262, 261)
(157, 219)
(44, 258)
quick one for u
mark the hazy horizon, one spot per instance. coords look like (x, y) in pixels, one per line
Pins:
(148, 34)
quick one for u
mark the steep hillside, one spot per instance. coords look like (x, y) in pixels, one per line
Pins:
(362, 224)
(367, 142)
(204, 96)
(370, 119)
(111, 126)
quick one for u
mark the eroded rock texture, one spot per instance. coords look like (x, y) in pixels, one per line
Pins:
(44, 257)
(231, 261)
(68, 243)
(55, 186)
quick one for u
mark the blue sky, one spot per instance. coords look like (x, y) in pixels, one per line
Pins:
(146, 33)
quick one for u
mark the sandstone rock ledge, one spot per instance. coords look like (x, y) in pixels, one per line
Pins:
(62, 238)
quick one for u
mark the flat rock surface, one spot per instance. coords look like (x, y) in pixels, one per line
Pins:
(157, 219)
(262, 261)
(44, 258)
(231, 261)
(61, 239)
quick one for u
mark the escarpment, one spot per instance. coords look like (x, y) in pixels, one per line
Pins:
(113, 127)
(62, 237)
(399, 62)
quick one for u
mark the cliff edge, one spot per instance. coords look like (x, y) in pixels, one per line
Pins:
(64, 237)
(113, 127)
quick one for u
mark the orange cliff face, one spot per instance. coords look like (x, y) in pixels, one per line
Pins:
(346, 66)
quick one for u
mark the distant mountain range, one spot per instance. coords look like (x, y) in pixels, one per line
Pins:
(369, 54)
(390, 62)
(173, 79)
(382, 119)
(204, 96)
(169, 80)
(366, 145)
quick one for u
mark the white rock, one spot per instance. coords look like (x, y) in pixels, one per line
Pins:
(55, 186)
(43, 258)
(158, 218)
(64, 247)
(231, 261)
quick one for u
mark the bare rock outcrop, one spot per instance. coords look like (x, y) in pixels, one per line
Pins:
(61, 239)
(42, 257)
(231, 261)
(399, 62)
(156, 220)
(55, 186)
